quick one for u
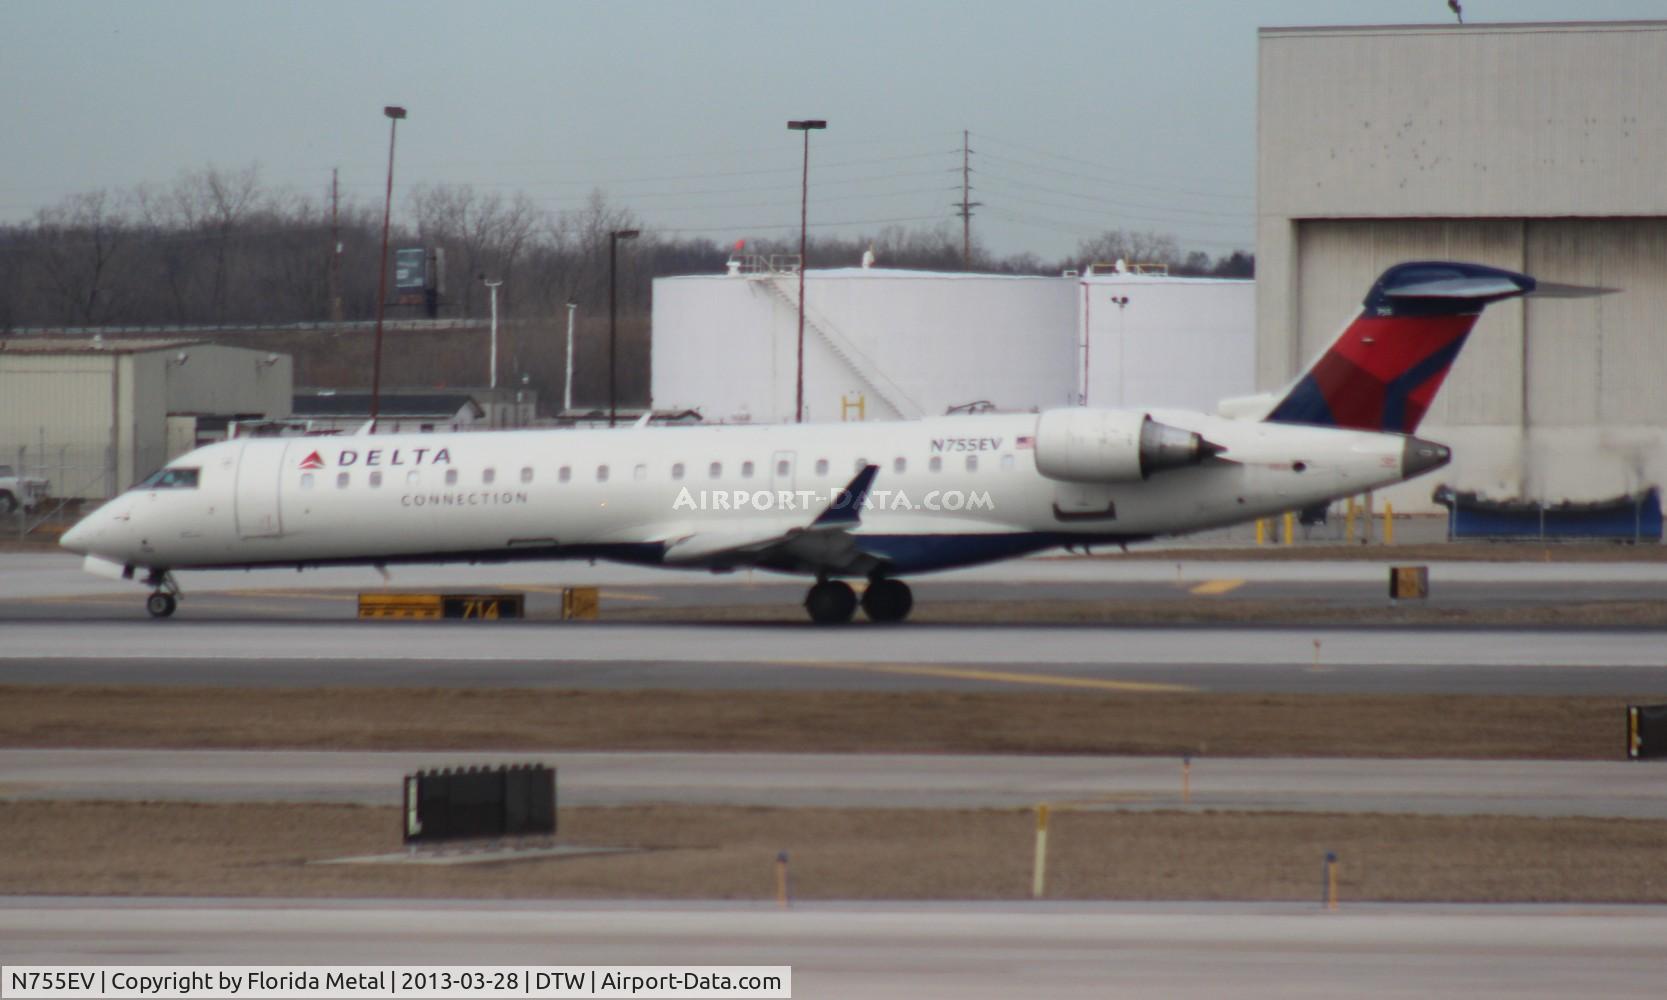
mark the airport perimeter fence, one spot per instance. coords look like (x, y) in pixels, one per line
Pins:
(56, 484)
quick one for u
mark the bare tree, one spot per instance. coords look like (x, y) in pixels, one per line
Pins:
(77, 243)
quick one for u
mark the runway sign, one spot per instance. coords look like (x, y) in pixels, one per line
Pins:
(480, 802)
(1409, 583)
(428, 607)
(580, 604)
(1646, 731)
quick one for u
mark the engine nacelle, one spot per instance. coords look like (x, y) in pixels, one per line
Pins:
(1108, 446)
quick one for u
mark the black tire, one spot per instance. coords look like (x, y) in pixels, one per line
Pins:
(160, 605)
(8, 503)
(831, 602)
(887, 601)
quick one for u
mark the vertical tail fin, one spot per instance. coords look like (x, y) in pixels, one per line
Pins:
(1383, 373)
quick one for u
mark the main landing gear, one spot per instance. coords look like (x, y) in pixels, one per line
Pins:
(164, 596)
(833, 602)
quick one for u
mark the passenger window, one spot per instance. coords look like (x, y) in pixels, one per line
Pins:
(526, 473)
(601, 473)
(972, 463)
(783, 467)
(566, 474)
(715, 470)
(306, 480)
(862, 463)
(342, 479)
(821, 467)
(746, 470)
(1007, 463)
(489, 477)
(677, 470)
(451, 477)
(936, 465)
(376, 479)
(900, 465)
(413, 477)
(640, 473)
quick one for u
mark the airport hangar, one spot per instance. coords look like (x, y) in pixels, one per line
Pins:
(1534, 147)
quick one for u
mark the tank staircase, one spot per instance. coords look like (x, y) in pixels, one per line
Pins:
(780, 275)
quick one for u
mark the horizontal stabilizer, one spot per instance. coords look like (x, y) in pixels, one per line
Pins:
(1456, 288)
(1548, 290)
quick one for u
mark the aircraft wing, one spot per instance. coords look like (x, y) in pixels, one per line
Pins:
(826, 544)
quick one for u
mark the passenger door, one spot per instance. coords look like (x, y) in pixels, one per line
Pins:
(260, 469)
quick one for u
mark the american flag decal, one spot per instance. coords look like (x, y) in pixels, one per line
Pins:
(1026, 442)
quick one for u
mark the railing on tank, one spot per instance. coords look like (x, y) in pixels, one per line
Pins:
(760, 265)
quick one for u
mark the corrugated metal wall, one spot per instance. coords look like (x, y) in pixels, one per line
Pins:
(56, 408)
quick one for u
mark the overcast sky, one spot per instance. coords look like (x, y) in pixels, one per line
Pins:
(1084, 115)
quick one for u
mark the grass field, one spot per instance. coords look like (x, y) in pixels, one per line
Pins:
(729, 853)
(1228, 725)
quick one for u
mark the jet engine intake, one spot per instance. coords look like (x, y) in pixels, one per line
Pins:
(1105, 446)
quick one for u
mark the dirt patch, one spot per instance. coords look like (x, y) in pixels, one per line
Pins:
(729, 853)
(1229, 725)
(1193, 611)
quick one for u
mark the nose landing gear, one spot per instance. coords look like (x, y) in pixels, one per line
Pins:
(165, 594)
(833, 602)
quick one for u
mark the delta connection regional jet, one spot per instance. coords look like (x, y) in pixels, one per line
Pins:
(881, 501)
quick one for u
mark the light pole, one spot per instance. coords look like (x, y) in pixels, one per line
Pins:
(806, 127)
(492, 286)
(394, 115)
(613, 319)
(567, 384)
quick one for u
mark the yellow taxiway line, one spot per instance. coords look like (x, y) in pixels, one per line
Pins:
(992, 676)
(1212, 587)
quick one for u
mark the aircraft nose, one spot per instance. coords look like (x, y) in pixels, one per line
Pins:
(81, 537)
(77, 538)
(1419, 456)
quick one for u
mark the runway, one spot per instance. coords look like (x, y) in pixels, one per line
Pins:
(1616, 789)
(962, 950)
(282, 629)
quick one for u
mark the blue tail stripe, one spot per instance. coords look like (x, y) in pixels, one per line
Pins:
(1397, 391)
(1304, 405)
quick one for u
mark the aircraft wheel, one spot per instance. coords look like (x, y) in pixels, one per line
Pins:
(887, 600)
(831, 602)
(160, 605)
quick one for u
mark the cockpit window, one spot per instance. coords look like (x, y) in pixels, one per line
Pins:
(170, 479)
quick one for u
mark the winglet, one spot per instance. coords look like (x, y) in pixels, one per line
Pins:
(846, 508)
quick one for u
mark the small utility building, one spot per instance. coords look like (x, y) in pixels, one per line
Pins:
(93, 416)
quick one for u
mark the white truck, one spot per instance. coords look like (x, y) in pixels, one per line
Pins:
(26, 492)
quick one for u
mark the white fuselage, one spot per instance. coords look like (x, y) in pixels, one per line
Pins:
(949, 491)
